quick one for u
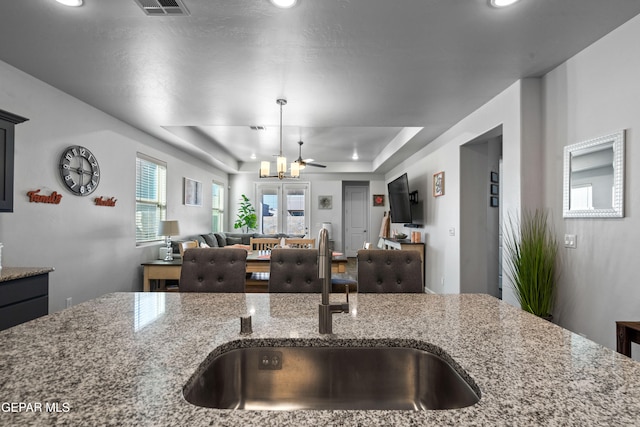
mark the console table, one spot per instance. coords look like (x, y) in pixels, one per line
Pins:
(24, 294)
(626, 333)
(407, 245)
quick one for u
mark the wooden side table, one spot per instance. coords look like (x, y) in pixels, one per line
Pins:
(626, 333)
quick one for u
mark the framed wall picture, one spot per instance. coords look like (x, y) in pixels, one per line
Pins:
(192, 192)
(378, 200)
(438, 184)
(325, 202)
(493, 202)
(494, 189)
(494, 177)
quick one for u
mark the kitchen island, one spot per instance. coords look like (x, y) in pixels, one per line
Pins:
(123, 359)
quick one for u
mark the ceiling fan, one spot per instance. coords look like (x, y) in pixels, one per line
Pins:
(306, 162)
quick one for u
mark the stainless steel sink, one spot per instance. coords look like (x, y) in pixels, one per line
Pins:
(323, 375)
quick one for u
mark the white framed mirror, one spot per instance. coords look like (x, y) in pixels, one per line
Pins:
(594, 178)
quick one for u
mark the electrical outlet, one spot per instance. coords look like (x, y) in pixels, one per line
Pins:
(570, 241)
(68, 302)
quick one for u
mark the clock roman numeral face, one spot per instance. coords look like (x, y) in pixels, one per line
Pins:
(79, 170)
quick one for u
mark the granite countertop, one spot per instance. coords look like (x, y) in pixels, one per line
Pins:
(123, 359)
(12, 273)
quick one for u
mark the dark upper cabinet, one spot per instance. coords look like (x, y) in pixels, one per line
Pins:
(7, 123)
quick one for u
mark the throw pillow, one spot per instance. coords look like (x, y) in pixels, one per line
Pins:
(221, 238)
(210, 239)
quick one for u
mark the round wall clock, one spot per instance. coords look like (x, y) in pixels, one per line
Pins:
(79, 170)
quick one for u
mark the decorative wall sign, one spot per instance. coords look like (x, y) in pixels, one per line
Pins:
(438, 184)
(79, 170)
(53, 198)
(192, 192)
(325, 202)
(100, 201)
(378, 200)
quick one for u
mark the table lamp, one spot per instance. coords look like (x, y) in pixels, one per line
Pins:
(168, 229)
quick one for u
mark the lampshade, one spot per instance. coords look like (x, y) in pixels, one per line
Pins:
(295, 170)
(169, 228)
(281, 164)
(264, 169)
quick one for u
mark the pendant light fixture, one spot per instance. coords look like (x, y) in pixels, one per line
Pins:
(281, 161)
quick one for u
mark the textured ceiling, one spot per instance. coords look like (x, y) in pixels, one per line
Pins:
(359, 75)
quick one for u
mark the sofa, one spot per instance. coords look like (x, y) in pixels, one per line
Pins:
(222, 239)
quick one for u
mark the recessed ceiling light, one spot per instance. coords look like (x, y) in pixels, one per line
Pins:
(72, 3)
(284, 4)
(502, 3)
(355, 156)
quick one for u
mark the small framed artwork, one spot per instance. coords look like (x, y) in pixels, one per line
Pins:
(192, 192)
(378, 200)
(494, 177)
(494, 188)
(438, 184)
(325, 202)
(493, 202)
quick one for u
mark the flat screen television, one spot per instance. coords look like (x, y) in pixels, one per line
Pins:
(399, 202)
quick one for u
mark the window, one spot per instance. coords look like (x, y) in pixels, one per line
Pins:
(217, 207)
(151, 197)
(283, 208)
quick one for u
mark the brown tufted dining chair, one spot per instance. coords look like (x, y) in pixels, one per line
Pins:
(213, 270)
(294, 270)
(388, 270)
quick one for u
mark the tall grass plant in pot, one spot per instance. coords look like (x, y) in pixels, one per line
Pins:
(531, 248)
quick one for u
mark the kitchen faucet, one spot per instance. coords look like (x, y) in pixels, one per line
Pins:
(326, 310)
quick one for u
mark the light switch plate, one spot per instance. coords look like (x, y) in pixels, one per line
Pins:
(570, 241)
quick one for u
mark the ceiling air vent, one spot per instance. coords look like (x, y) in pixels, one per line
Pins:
(163, 7)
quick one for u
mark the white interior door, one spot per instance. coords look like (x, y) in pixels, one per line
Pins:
(356, 218)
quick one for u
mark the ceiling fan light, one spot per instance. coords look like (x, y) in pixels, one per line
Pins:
(502, 3)
(284, 4)
(71, 3)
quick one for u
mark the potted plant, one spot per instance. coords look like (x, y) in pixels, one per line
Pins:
(247, 218)
(530, 249)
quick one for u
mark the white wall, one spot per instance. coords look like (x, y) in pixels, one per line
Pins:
(92, 248)
(510, 109)
(593, 94)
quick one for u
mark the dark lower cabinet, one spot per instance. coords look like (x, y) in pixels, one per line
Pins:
(7, 123)
(23, 299)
